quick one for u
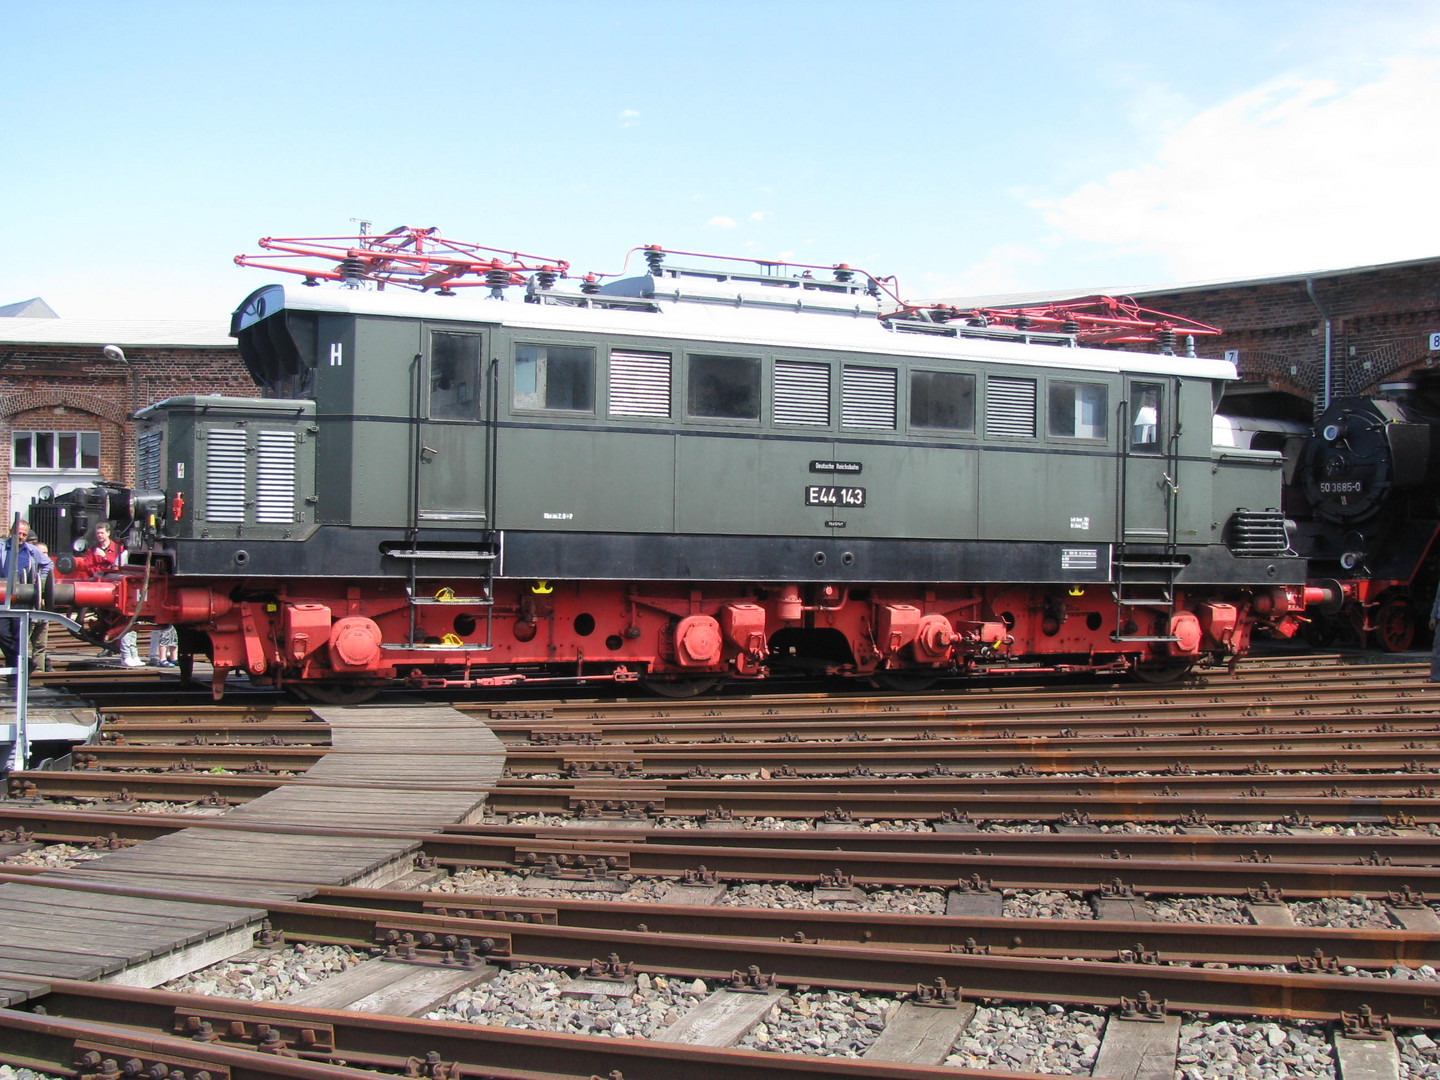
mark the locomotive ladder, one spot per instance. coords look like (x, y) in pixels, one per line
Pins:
(485, 599)
(1145, 579)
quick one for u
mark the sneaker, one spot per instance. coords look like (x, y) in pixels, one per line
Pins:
(133, 661)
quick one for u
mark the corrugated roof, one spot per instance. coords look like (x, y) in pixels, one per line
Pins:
(996, 300)
(187, 333)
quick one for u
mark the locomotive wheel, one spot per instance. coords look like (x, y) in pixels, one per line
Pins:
(904, 682)
(1160, 672)
(683, 687)
(335, 693)
(1395, 626)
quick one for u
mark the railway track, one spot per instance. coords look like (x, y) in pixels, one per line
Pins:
(612, 844)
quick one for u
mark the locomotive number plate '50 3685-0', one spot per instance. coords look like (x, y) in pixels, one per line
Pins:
(831, 495)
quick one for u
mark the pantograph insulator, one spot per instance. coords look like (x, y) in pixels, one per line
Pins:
(844, 273)
(545, 277)
(654, 257)
(589, 285)
(352, 268)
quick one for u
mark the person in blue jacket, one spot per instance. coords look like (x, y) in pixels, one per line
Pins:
(31, 566)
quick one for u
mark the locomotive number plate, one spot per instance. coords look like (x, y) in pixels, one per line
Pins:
(831, 495)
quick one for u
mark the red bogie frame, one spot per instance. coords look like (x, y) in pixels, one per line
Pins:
(332, 633)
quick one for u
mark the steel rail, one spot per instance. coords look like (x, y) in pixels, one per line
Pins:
(1403, 847)
(1392, 751)
(361, 917)
(868, 967)
(1063, 871)
(373, 1043)
(1344, 797)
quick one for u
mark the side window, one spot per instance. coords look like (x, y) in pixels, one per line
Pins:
(723, 387)
(1009, 407)
(554, 377)
(868, 398)
(639, 384)
(1078, 410)
(943, 400)
(454, 377)
(1146, 420)
(802, 393)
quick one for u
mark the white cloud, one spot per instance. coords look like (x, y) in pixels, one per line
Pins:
(1294, 175)
(761, 215)
(629, 118)
(1002, 270)
(722, 222)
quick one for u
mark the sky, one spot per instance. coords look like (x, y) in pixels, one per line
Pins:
(967, 148)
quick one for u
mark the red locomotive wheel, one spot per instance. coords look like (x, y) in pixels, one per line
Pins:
(336, 693)
(1160, 672)
(682, 687)
(1395, 626)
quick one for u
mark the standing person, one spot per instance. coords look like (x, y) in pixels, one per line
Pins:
(40, 629)
(164, 646)
(31, 565)
(104, 554)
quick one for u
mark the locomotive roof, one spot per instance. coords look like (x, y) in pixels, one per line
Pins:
(722, 325)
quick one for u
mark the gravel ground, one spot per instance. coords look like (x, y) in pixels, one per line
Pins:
(271, 976)
(1253, 1051)
(1356, 912)
(53, 855)
(789, 898)
(1199, 909)
(1419, 1055)
(534, 998)
(501, 883)
(1046, 904)
(825, 1023)
(1045, 1039)
(7, 1073)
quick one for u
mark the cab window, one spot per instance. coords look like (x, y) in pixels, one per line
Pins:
(560, 377)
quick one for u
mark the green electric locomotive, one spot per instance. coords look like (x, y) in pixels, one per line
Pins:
(692, 475)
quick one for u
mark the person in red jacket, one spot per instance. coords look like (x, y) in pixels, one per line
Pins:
(104, 554)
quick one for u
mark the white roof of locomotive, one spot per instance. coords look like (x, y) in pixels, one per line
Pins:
(735, 324)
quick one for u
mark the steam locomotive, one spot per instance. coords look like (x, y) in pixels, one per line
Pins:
(681, 477)
(1365, 497)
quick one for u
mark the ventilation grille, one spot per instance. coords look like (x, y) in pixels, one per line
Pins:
(639, 384)
(802, 393)
(1257, 532)
(867, 397)
(147, 465)
(275, 477)
(225, 475)
(1010, 408)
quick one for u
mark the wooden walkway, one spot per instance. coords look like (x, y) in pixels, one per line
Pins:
(389, 768)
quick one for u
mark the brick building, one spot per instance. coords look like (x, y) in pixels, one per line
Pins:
(66, 408)
(1380, 323)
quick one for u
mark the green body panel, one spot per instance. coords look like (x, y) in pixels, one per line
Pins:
(913, 491)
(1244, 479)
(585, 481)
(380, 459)
(1194, 478)
(242, 467)
(1046, 496)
